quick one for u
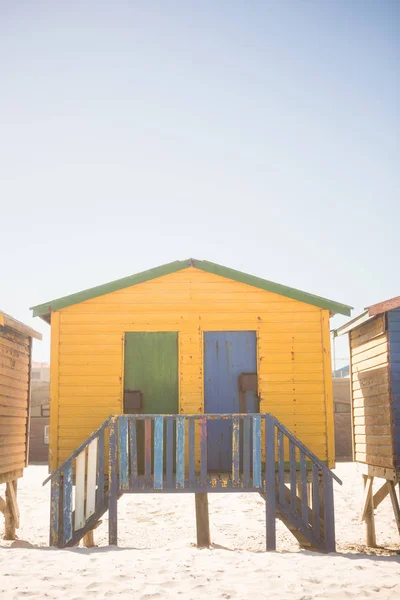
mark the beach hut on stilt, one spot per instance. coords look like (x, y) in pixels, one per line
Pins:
(192, 377)
(15, 376)
(374, 339)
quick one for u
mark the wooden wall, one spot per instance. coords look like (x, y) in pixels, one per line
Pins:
(394, 349)
(371, 394)
(293, 346)
(15, 352)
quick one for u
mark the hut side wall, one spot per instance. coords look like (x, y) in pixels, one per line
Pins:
(371, 396)
(14, 399)
(394, 341)
(293, 354)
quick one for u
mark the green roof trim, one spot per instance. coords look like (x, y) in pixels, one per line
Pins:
(44, 310)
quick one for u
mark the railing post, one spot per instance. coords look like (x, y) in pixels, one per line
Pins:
(112, 483)
(270, 483)
(329, 513)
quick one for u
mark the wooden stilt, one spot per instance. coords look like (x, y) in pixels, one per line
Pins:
(202, 521)
(368, 511)
(88, 539)
(11, 512)
(395, 503)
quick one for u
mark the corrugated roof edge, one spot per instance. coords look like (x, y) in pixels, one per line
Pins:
(44, 310)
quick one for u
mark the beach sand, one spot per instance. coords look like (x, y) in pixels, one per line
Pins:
(157, 557)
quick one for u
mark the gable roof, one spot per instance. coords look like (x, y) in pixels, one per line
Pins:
(44, 310)
(369, 313)
(7, 321)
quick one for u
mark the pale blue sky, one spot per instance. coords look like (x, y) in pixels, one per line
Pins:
(260, 135)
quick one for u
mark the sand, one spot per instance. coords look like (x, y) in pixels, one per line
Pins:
(157, 557)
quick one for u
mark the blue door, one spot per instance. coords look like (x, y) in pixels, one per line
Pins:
(227, 355)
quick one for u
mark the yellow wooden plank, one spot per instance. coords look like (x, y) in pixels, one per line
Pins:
(330, 424)
(108, 360)
(91, 350)
(291, 377)
(54, 390)
(89, 380)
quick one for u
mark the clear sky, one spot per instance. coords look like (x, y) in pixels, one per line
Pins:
(262, 135)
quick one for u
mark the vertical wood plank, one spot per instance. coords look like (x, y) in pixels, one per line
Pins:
(270, 483)
(315, 501)
(180, 452)
(123, 453)
(281, 467)
(170, 451)
(256, 451)
(235, 452)
(55, 510)
(100, 468)
(293, 479)
(202, 521)
(192, 451)
(329, 513)
(158, 452)
(133, 453)
(91, 479)
(395, 503)
(147, 449)
(54, 389)
(303, 485)
(203, 452)
(67, 503)
(246, 451)
(80, 490)
(113, 483)
(369, 511)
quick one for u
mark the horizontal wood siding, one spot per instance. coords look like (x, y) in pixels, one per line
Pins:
(14, 393)
(394, 351)
(371, 394)
(290, 352)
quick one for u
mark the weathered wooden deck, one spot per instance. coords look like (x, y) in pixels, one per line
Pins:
(168, 454)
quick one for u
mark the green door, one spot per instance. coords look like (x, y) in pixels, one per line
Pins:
(151, 366)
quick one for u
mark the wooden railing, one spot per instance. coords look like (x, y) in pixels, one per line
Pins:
(168, 453)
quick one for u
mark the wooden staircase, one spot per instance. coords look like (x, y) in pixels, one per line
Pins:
(168, 454)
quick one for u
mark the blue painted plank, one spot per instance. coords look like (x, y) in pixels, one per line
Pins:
(303, 478)
(170, 450)
(292, 458)
(147, 449)
(235, 452)
(113, 483)
(55, 510)
(246, 451)
(67, 503)
(316, 501)
(203, 452)
(270, 483)
(180, 452)
(100, 468)
(123, 453)
(158, 452)
(281, 467)
(192, 450)
(257, 451)
(394, 316)
(133, 452)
